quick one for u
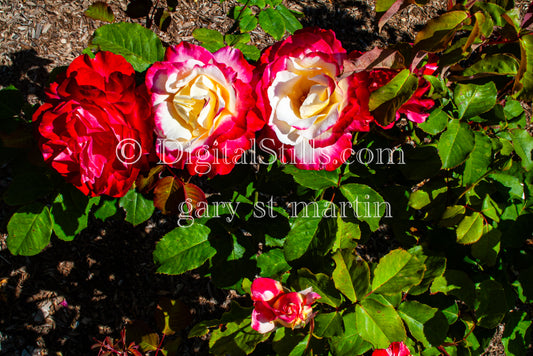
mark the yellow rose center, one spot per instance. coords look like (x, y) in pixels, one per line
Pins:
(200, 105)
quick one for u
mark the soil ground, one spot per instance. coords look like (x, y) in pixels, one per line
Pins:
(57, 302)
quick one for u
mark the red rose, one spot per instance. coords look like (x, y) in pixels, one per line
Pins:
(417, 106)
(95, 128)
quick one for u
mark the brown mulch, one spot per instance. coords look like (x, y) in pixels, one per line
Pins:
(55, 303)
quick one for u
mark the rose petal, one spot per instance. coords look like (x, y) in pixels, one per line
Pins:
(397, 348)
(262, 318)
(265, 289)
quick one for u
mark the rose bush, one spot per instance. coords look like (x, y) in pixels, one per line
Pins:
(272, 305)
(309, 108)
(451, 263)
(202, 104)
(92, 108)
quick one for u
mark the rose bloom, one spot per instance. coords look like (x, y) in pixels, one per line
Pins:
(417, 106)
(202, 104)
(88, 112)
(272, 305)
(310, 110)
(394, 349)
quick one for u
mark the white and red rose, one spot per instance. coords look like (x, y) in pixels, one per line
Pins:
(93, 108)
(273, 305)
(201, 104)
(309, 109)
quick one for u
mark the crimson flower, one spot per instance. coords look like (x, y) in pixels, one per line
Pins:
(95, 127)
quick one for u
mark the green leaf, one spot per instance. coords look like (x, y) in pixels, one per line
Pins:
(361, 199)
(419, 199)
(482, 28)
(523, 86)
(321, 283)
(387, 99)
(523, 146)
(470, 229)
(274, 3)
(300, 348)
(288, 342)
(29, 230)
(213, 46)
(149, 342)
(207, 35)
(515, 185)
(438, 32)
(435, 267)
(378, 322)
(237, 339)
(272, 263)
(512, 109)
(491, 209)
(70, 211)
(428, 325)
(472, 99)
(517, 332)
(384, 5)
(272, 22)
(202, 328)
(259, 3)
(291, 22)
(455, 144)
(456, 283)
(304, 230)
(351, 275)
(452, 215)
(435, 123)
(493, 10)
(248, 21)
(315, 180)
(100, 11)
(479, 159)
(396, 272)
(106, 209)
(492, 304)
(496, 64)
(348, 232)
(350, 343)
(138, 208)
(251, 53)
(487, 248)
(183, 249)
(137, 44)
(451, 313)
(328, 324)
(232, 40)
